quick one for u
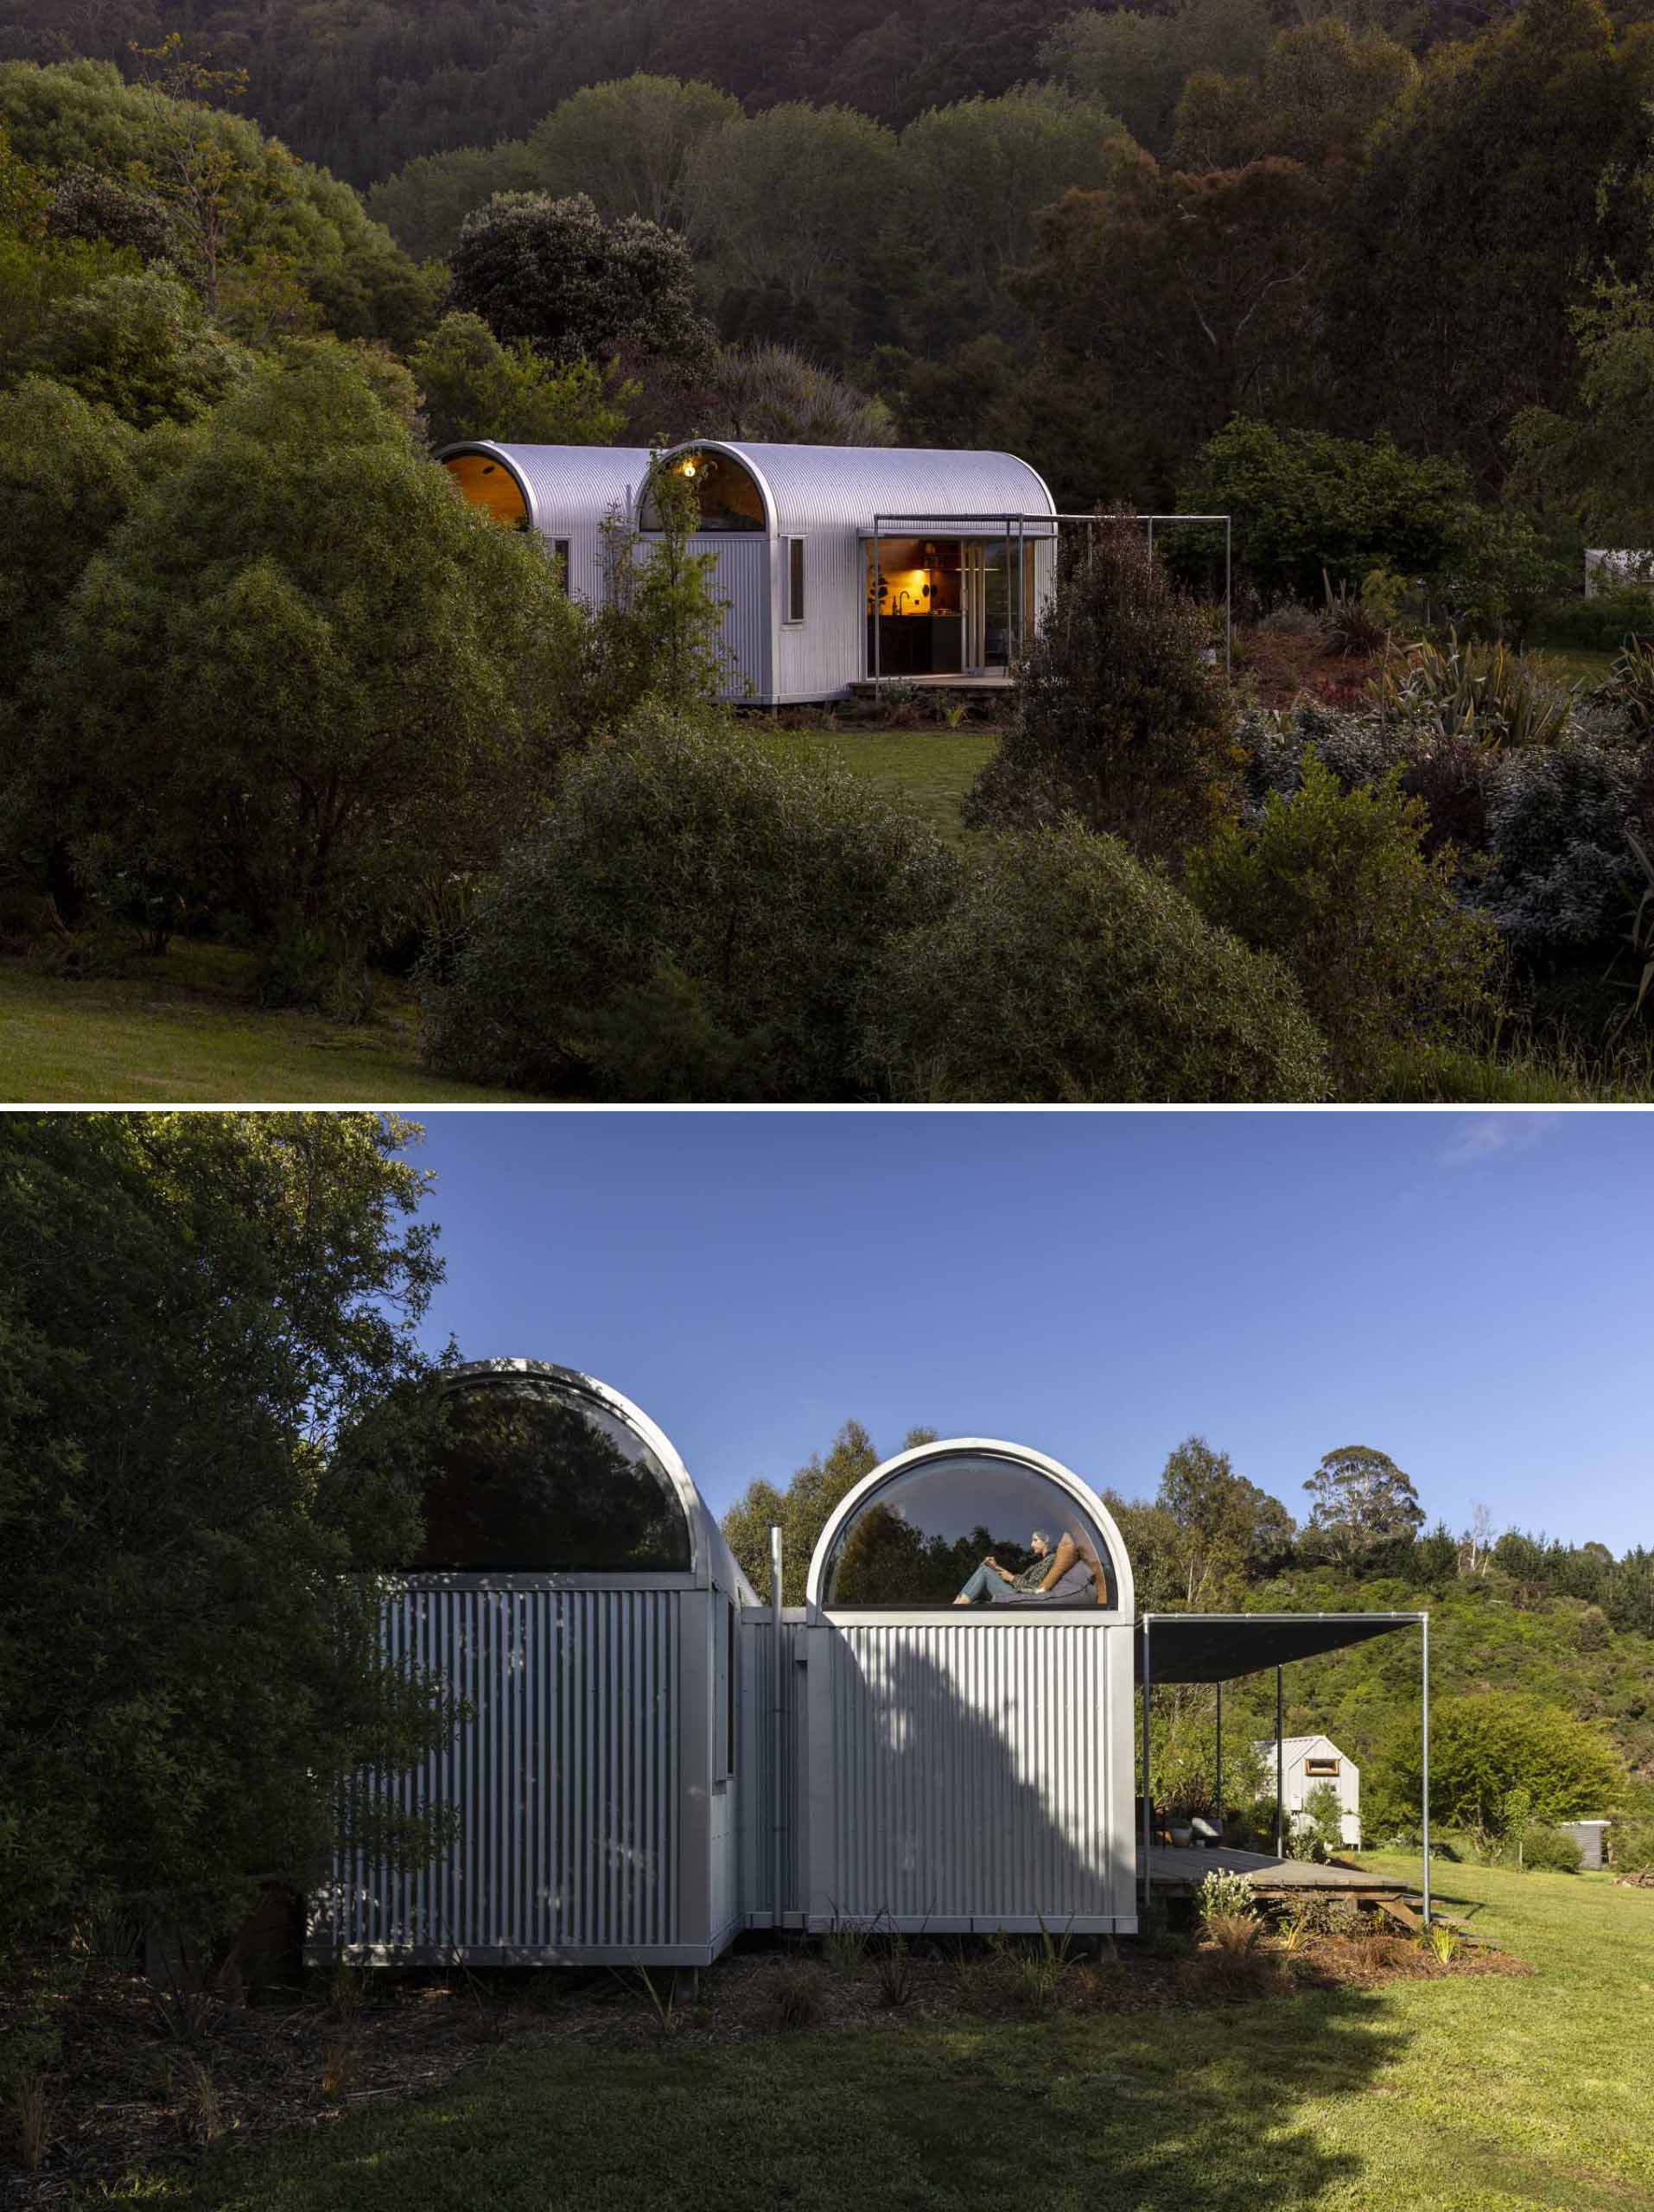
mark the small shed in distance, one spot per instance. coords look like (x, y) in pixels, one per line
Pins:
(1313, 1762)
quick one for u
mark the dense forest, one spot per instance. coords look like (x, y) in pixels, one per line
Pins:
(363, 89)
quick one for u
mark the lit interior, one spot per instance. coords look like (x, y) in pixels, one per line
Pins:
(489, 485)
(727, 494)
(914, 576)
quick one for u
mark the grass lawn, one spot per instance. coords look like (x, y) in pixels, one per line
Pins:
(1572, 664)
(181, 1030)
(926, 769)
(1463, 2093)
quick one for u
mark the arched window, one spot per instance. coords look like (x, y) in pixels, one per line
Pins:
(488, 484)
(982, 1526)
(539, 1476)
(726, 494)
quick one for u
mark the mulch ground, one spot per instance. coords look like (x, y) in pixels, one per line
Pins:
(140, 2081)
(1280, 667)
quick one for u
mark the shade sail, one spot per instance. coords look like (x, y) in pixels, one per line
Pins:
(1216, 1647)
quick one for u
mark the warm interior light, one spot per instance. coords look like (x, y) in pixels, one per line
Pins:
(686, 468)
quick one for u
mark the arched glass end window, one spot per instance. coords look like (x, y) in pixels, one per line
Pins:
(538, 1475)
(490, 485)
(726, 494)
(978, 1527)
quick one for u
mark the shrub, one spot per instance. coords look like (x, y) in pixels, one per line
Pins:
(1599, 623)
(1118, 719)
(1358, 747)
(1631, 1846)
(1562, 880)
(1066, 970)
(1336, 884)
(1466, 690)
(795, 1994)
(1324, 1814)
(1550, 1850)
(1484, 1746)
(698, 918)
(1222, 1893)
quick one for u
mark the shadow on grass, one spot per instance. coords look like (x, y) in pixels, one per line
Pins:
(1187, 2109)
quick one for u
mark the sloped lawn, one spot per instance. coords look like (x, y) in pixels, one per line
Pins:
(1473, 2093)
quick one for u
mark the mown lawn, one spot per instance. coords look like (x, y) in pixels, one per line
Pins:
(1473, 2094)
(181, 1030)
(928, 769)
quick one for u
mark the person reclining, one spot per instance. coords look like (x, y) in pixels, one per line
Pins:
(1064, 1573)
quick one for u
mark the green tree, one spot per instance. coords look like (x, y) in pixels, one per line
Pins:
(242, 205)
(552, 273)
(1135, 64)
(1452, 269)
(792, 206)
(1322, 90)
(1308, 506)
(425, 206)
(973, 175)
(1066, 970)
(141, 346)
(1363, 1504)
(304, 679)
(1117, 719)
(696, 917)
(1595, 460)
(1337, 886)
(471, 386)
(1185, 300)
(629, 144)
(215, 1415)
(1227, 1528)
(803, 1509)
(1487, 1744)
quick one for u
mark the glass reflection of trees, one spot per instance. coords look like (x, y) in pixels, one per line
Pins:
(538, 1476)
(919, 1537)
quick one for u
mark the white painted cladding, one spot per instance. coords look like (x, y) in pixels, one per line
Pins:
(971, 1775)
(590, 1825)
(1297, 1753)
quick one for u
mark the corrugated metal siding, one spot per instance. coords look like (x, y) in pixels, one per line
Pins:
(758, 1781)
(572, 487)
(741, 577)
(973, 1775)
(566, 1779)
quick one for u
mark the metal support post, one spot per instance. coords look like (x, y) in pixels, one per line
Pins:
(1280, 1771)
(1424, 1753)
(1147, 1837)
(780, 1820)
(1219, 1789)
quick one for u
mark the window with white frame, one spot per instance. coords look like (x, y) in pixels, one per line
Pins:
(793, 583)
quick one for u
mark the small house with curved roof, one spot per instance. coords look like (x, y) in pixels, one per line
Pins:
(836, 565)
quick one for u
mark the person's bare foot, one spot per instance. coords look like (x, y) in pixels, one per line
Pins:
(961, 1600)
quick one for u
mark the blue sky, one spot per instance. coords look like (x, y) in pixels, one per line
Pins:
(1471, 1293)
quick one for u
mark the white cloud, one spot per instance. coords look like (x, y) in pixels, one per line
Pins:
(1496, 1136)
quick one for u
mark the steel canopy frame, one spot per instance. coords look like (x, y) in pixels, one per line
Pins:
(1366, 1625)
(1018, 529)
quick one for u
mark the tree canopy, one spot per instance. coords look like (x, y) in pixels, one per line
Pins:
(214, 1420)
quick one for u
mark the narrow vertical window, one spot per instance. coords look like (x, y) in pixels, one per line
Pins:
(561, 549)
(794, 580)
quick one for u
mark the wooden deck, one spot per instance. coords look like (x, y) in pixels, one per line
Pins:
(1179, 1871)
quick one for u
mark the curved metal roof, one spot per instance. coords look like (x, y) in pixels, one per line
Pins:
(1023, 1455)
(566, 484)
(850, 485)
(712, 1561)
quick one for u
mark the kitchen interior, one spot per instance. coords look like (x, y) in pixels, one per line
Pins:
(917, 626)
